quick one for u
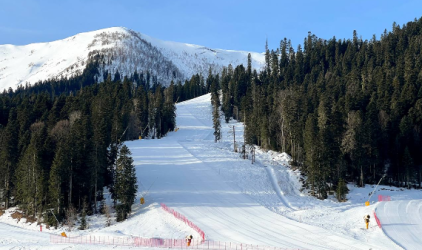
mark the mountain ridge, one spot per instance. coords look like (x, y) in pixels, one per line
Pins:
(120, 49)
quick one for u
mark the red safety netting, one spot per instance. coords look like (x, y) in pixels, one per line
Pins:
(124, 241)
(184, 219)
(384, 198)
(158, 243)
(377, 220)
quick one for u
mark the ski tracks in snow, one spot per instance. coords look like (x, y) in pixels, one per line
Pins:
(240, 219)
(272, 177)
(401, 222)
(192, 185)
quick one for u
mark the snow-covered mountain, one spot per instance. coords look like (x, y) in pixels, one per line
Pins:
(121, 49)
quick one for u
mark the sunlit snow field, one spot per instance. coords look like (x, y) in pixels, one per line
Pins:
(232, 200)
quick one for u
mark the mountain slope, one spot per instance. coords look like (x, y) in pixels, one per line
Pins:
(230, 199)
(223, 194)
(120, 49)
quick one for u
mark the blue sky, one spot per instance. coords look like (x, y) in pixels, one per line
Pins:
(226, 24)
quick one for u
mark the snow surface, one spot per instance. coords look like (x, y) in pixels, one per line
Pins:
(41, 61)
(402, 222)
(124, 50)
(232, 200)
(193, 59)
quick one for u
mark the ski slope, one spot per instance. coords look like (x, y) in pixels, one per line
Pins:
(179, 169)
(402, 222)
(232, 200)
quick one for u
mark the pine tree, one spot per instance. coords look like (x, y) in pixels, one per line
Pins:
(84, 224)
(143, 111)
(58, 178)
(169, 111)
(342, 190)
(100, 140)
(158, 112)
(152, 115)
(9, 156)
(30, 174)
(126, 183)
(60, 168)
(209, 81)
(311, 145)
(215, 101)
(216, 124)
(407, 163)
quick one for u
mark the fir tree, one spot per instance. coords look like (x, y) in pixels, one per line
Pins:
(84, 224)
(215, 100)
(342, 190)
(9, 156)
(125, 186)
(30, 174)
(363, 94)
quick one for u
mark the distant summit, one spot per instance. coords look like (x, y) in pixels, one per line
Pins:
(118, 49)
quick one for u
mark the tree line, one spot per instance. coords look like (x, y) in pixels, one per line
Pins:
(191, 88)
(343, 109)
(61, 140)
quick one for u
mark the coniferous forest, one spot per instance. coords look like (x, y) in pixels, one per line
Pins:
(61, 140)
(343, 109)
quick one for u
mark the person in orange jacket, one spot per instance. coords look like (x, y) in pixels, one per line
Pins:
(189, 239)
(366, 219)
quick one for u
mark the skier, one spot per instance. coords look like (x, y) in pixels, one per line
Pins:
(189, 239)
(366, 219)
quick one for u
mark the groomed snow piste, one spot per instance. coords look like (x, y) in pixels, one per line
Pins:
(232, 200)
(402, 222)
